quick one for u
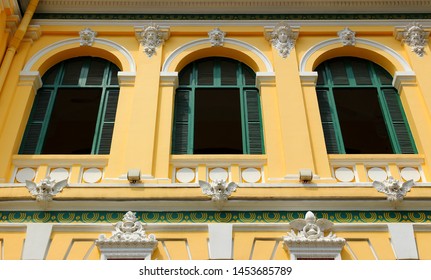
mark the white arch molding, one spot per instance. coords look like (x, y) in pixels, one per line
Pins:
(183, 48)
(407, 75)
(374, 44)
(126, 78)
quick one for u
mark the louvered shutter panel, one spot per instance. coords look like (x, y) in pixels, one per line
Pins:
(181, 122)
(108, 122)
(254, 125)
(327, 122)
(36, 122)
(399, 122)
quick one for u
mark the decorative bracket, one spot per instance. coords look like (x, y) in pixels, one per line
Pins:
(393, 189)
(216, 37)
(87, 36)
(309, 240)
(151, 37)
(218, 190)
(128, 240)
(282, 37)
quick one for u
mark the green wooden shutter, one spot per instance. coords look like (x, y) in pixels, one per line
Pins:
(180, 139)
(399, 122)
(254, 123)
(107, 125)
(33, 140)
(327, 122)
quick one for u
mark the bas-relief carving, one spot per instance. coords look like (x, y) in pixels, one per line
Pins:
(347, 37)
(46, 189)
(416, 38)
(394, 190)
(87, 37)
(128, 240)
(216, 37)
(151, 37)
(218, 190)
(282, 38)
(307, 238)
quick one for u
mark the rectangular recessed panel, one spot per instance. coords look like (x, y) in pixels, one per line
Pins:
(79, 249)
(177, 249)
(361, 249)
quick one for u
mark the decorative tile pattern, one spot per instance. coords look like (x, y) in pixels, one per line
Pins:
(215, 217)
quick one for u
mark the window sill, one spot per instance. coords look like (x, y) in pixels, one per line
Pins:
(60, 160)
(376, 159)
(243, 160)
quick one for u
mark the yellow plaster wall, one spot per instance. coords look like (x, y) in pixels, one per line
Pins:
(11, 245)
(423, 243)
(73, 246)
(142, 136)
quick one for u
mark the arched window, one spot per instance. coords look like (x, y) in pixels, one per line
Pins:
(361, 111)
(217, 109)
(74, 111)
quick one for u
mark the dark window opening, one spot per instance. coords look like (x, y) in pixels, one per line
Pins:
(361, 121)
(73, 121)
(217, 109)
(217, 122)
(361, 112)
(74, 111)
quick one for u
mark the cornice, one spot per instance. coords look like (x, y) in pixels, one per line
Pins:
(226, 6)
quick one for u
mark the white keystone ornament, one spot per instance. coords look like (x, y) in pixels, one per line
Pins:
(46, 189)
(219, 191)
(394, 190)
(87, 37)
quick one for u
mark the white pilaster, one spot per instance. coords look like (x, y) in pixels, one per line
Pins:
(220, 241)
(36, 241)
(403, 241)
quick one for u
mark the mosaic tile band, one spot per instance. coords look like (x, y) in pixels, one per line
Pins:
(215, 217)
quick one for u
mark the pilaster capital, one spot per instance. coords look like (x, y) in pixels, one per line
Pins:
(308, 79)
(30, 78)
(169, 79)
(265, 79)
(405, 78)
(126, 79)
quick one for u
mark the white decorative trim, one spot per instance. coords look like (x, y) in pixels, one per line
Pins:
(265, 79)
(406, 78)
(126, 79)
(30, 78)
(403, 241)
(60, 160)
(76, 41)
(308, 79)
(220, 241)
(310, 242)
(37, 239)
(336, 42)
(167, 64)
(169, 79)
(128, 241)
